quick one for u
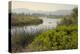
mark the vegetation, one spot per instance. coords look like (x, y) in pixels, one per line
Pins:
(72, 19)
(20, 41)
(64, 36)
(19, 20)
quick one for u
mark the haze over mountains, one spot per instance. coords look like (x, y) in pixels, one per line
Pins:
(32, 12)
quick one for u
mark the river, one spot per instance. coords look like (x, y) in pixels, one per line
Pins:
(48, 23)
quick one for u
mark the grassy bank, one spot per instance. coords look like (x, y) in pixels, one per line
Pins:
(20, 20)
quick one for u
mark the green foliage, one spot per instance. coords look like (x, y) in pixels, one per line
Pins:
(63, 37)
(74, 12)
(72, 19)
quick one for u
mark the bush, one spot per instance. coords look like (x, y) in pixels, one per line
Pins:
(63, 37)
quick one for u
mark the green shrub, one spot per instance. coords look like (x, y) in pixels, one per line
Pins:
(59, 38)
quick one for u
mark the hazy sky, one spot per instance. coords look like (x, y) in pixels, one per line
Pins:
(41, 6)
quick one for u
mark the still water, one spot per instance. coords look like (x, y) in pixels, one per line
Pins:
(48, 23)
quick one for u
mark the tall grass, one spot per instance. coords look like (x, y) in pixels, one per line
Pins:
(21, 40)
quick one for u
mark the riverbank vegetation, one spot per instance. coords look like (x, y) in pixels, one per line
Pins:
(64, 36)
(20, 41)
(20, 20)
(61, 38)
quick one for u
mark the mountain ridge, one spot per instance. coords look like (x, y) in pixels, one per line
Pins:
(28, 11)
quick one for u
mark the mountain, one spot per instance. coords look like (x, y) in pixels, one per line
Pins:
(21, 10)
(32, 12)
(62, 12)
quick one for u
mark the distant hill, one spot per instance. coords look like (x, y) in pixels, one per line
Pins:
(62, 12)
(32, 12)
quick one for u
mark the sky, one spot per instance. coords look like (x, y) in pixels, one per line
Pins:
(41, 6)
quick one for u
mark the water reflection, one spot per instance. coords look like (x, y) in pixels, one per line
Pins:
(48, 23)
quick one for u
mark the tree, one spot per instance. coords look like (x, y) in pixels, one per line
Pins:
(75, 13)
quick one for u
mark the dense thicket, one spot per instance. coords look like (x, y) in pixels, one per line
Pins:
(63, 37)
